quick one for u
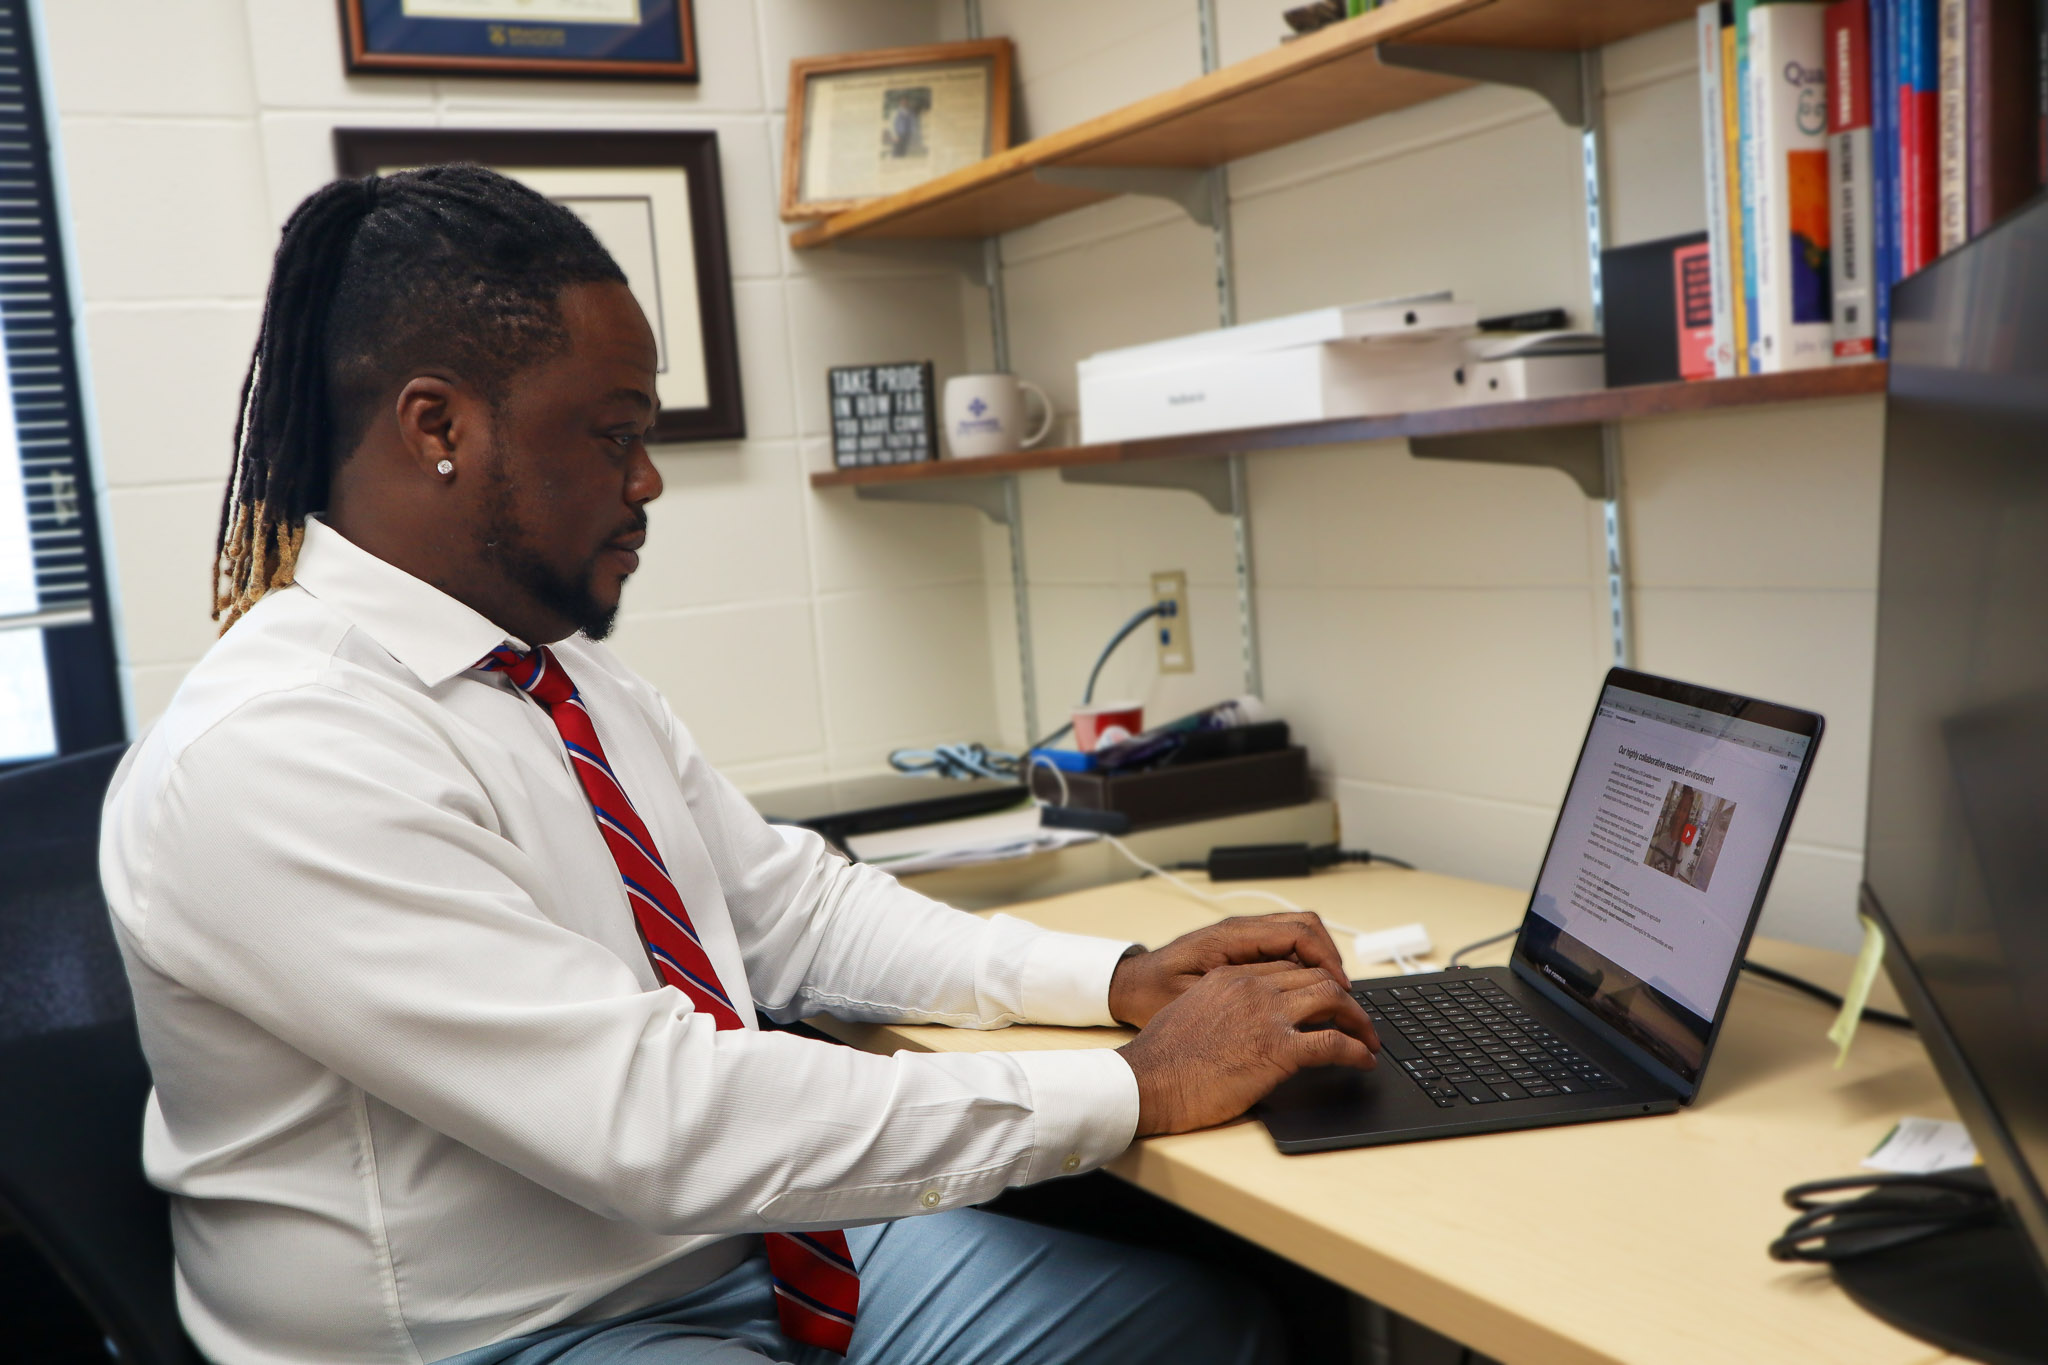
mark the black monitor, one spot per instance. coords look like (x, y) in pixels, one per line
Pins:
(1956, 857)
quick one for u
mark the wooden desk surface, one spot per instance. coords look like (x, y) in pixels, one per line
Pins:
(1636, 1241)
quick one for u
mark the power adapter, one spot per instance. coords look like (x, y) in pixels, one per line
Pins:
(1258, 862)
(1266, 862)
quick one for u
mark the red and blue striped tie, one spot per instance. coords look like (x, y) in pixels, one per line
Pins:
(817, 1290)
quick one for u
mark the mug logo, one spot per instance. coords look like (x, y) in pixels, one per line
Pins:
(977, 407)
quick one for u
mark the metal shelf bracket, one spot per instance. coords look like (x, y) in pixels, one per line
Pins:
(1208, 478)
(1590, 455)
(1189, 189)
(992, 497)
(1553, 75)
(1576, 451)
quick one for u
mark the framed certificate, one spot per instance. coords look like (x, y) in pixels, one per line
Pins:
(867, 124)
(634, 39)
(653, 199)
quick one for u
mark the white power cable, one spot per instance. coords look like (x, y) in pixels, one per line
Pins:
(1409, 965)
(1220, 897)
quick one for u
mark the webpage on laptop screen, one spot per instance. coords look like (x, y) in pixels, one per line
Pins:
(1659, 853)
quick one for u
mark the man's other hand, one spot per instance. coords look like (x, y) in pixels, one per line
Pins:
(1230, 1037)
(1146, 983)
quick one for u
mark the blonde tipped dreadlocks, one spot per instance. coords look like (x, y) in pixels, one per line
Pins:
(377, 280)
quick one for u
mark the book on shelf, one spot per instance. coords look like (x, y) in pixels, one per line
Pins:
(1884, 164)
(1746, 176)
(1849, 178)
(1788, 64)
(2041, 93)
(1714, 152)
(1915, 41)
(1952, 106)
(2001, 134)
(1731, 138)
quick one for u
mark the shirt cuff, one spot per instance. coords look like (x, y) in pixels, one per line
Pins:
(1085, 1109)
(1065, 977)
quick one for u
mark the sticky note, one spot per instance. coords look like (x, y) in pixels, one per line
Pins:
(1843, 1031)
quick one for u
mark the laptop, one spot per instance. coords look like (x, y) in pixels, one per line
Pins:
(1626, 957)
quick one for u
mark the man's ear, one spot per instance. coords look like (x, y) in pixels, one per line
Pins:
(439, 420)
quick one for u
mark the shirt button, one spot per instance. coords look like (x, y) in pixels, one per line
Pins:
(1072, 1163)
(930, 1199)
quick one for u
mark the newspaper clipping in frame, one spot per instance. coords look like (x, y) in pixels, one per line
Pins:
(869, 133)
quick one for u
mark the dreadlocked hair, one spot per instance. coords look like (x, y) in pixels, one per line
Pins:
(376, 280)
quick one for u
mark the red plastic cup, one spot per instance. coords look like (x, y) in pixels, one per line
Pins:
(1107, 723)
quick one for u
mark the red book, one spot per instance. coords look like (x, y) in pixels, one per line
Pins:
(1692, 276)
(1919, 130)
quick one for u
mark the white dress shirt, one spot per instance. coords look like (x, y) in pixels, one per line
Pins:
(417, 1087)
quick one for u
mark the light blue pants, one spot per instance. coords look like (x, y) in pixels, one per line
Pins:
(961, 1288)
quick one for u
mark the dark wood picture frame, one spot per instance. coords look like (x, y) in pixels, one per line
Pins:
(997, 52)
(361, 151)
(483, 47)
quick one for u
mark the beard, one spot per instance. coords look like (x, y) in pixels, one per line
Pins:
(505, 544)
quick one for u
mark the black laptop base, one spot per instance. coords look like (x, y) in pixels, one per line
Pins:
(1467, 1051)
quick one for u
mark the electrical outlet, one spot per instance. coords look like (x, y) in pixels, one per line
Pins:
(1175, 627)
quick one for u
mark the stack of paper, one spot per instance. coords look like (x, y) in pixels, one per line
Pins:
(993, 838)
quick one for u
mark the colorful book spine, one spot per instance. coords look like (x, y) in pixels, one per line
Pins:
(1745, 160)
(1714, 158)
(1884, 162)
(1788, 52)
(1919, 154)
(1731, 139)
(1849, 200)
(1952, 116)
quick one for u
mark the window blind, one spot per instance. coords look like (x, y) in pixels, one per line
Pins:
(53, 541)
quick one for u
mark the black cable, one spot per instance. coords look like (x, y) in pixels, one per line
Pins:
(1482, 943)
(1896, 1210)
(1360, 855)
(1822, 993)
(1088, 693)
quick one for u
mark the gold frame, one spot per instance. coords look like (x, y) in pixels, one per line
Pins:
(995, 51)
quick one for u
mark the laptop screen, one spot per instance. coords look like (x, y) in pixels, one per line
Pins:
(1659, 861)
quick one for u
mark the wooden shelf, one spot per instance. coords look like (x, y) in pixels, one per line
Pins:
(1327, 80)
(1577, 410)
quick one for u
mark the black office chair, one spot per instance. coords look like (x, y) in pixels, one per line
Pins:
(72, 1077)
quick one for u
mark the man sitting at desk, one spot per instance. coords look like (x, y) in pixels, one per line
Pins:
(447, 944)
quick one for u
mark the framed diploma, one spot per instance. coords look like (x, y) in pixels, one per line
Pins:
(632, 39)
(654, 200)
(867, 124)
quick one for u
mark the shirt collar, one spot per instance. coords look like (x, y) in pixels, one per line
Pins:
(422, 627)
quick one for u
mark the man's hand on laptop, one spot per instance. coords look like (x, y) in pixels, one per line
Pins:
(1223, 1045)
(1228, 1013)
(1146, 982)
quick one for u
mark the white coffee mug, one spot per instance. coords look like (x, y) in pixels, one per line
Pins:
(985, 414)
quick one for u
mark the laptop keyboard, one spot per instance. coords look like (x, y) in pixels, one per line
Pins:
(1468, 1042)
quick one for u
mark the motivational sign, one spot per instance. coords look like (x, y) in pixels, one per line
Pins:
(883, 414)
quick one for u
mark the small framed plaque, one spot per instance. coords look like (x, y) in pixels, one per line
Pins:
(631, 39)
(867, 124)
(883, 414)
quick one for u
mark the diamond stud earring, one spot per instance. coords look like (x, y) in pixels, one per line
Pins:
(445, 467)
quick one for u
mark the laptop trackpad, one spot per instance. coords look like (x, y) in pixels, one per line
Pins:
(1359, 1095)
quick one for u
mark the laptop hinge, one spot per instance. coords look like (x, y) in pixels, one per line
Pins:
(1645, 1062)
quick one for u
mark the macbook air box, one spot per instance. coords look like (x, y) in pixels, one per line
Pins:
(1356, 360)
